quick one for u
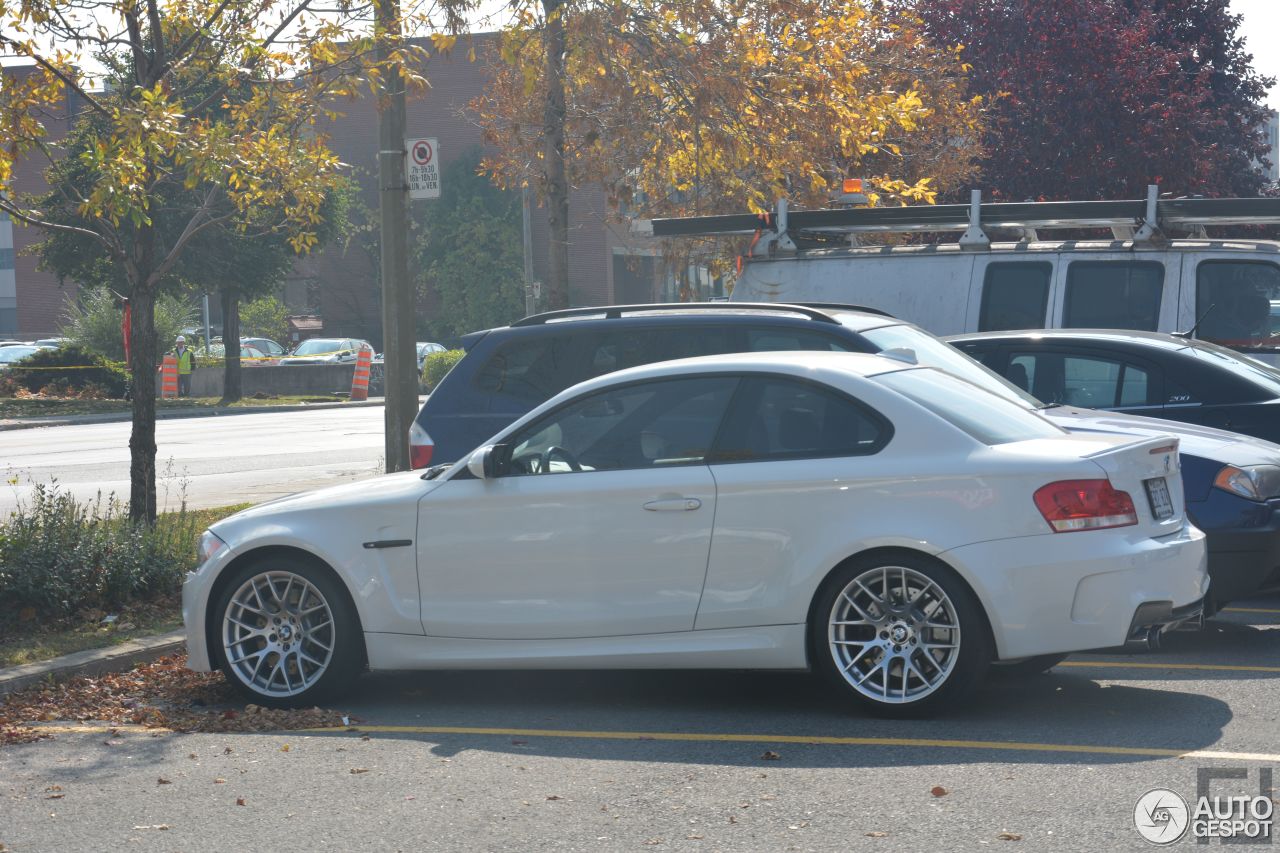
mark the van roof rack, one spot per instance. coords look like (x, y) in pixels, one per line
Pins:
(1143, 221)
(614, 312)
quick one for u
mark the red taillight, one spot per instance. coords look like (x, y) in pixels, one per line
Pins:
(420, 447)
(1071, 505)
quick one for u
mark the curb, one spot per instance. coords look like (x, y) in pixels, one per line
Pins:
(162, 415)
(93, 661)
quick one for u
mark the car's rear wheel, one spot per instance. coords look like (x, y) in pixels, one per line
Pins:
(287, 632)
(901, 635)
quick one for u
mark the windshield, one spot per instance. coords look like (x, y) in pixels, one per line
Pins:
(9, 355)
(932, 352)
(318, 346)
(985, 416)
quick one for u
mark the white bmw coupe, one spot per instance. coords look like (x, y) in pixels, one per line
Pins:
(891, 526)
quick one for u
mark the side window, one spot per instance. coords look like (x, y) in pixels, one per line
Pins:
(1015, 295)
(646, 425)
(1093, 383)
(1113, 295)
(530, 370)
(1238, 302)
(616, 350)
(775, 340)
(787, 419)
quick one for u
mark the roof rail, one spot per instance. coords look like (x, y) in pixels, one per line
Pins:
(614, 312)
(839, 306)
(1147, 217)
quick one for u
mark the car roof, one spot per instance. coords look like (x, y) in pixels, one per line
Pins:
(1159, 340)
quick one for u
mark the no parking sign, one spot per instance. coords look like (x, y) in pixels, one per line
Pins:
(424, 172)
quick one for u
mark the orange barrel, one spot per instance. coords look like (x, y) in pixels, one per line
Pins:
(360, 379)
(169, 377)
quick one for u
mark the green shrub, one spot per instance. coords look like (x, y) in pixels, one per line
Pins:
(59, 556)
(437, 365)
(80, 370)
(94, 322)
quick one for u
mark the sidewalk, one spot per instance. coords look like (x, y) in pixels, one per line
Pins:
(165, 414)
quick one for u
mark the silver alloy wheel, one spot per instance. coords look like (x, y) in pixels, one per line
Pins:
(894, 634)
(278, 634)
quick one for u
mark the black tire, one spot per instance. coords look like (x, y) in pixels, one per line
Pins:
(1027, 667)
(957, 672)
(270, 631)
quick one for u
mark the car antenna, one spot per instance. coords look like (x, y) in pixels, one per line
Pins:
(1199, 320)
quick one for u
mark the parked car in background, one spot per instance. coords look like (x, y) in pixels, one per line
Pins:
(425, 348)
(51, 342)
(888, 525)
(249, 356)
(268, 347)
(1141, 373)
(14, 344)
(10, 355)
(509, 370)
(326, 351)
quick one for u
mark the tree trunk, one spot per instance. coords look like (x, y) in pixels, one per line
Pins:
(143, 359)
(231, 384)
(553, 118)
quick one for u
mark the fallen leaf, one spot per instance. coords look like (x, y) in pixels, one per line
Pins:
(240, 801)
(226, 750)
(229, 714)
(554, 797)
(219, 781)
(410, 797)
(55, 796)
(770, 755)
(284, 748)
(1009, 836)
(356, 770)
(163, 781)
(693, 836)
(114, 732)
(938, 791)
(54, 788)
(364, 737)
(112, 742)
(732, 819)
(193, 756)
(877, 834)
(160, 826)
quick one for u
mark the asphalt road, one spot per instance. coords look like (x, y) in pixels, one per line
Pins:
(206, 461)
(568, 761)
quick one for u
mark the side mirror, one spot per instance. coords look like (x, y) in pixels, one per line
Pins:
(488, 462)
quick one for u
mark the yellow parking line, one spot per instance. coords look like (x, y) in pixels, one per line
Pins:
(722, 737)
(824, 740)
(1249, 610)
(1212, 667)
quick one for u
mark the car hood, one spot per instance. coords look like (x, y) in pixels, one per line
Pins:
(1219, 445)
(404, 489)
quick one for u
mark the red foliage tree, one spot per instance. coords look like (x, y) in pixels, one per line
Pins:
(1098, 98)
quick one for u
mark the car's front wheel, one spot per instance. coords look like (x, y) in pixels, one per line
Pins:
(902, 635)
(288, 634)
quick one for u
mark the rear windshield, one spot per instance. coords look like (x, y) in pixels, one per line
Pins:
(932, 352)
(986, 417)
(1252, 370)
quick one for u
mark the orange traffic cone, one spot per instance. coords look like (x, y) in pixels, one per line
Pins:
(360, 379)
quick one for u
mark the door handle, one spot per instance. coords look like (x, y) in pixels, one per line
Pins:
(673, 505)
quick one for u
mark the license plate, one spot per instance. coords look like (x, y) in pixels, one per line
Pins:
(1158, 495)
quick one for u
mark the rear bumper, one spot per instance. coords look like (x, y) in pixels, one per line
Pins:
(1076, 591)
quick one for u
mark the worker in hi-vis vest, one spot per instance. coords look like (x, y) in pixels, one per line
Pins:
(186, 364)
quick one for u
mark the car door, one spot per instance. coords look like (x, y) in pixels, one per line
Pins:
(600, 524)
(790, 451)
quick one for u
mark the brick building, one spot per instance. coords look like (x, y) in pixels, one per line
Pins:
(340, 284)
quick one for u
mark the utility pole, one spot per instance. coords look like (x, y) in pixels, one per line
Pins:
(399, 352)
(530, 303)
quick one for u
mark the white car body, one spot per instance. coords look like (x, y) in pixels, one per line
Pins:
(568, 571)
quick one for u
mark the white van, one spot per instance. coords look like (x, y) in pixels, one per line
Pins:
(1224, 290)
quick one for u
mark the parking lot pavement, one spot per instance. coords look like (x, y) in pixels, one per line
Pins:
(680, 761)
